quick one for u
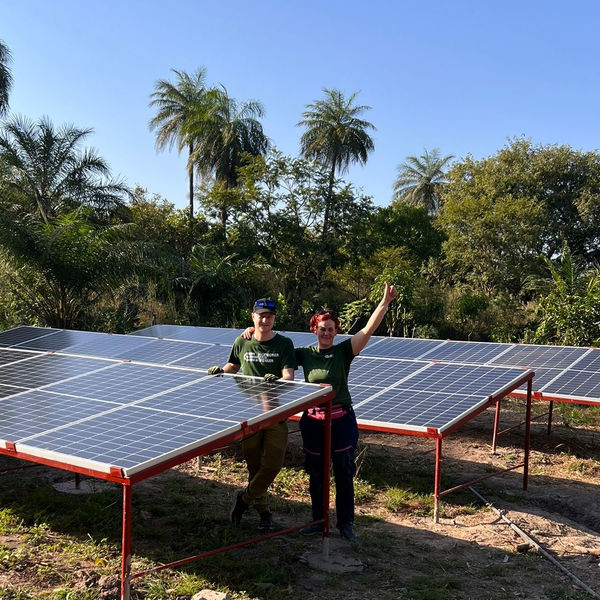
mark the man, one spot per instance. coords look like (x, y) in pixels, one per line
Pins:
(270, 355)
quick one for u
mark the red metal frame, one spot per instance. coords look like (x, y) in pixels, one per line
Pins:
(116, 475)
(439, 435)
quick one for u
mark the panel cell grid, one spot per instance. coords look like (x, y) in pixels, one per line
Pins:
(46, 369)
(584, 384)
(164, 352)
(381, 373)
(59, 340)
(109, 346)
(557, 357)
(399, 347)
(10, 337)
(477, 353)
(10, 356)
(208, 357)
(124, 383)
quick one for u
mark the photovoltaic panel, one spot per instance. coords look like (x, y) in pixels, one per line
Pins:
(164, 352)
(10, 337)
(36, 411)
(477, 353)
(588, 362)
(59, 340)
(208, 357)
(46, 369)
(186, 333)
(380, 372)
(98, 434)
(399, 347)
(9, 390)
(109, 345)
(558, 357)
(124, 383)
(575, 384)
(10, 356)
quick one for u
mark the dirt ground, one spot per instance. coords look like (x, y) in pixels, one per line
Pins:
(472, 553)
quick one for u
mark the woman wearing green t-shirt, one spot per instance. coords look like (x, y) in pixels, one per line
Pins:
(330, 363)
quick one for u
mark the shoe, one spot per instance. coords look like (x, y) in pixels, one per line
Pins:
(311, 529)
(238, 507)
(266, 520)
(347, 532)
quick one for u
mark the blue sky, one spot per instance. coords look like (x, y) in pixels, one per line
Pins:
(462, 76)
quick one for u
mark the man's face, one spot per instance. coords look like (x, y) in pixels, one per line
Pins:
(263, 322)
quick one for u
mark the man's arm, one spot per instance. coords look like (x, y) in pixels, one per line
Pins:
(287, 374)
(231, 368)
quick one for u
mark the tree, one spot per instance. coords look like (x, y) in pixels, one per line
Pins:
(175, 103)
(47, 173)
(420, 178)
(502, 214)
(336, 137)
(226, 132)
(5, 78)
(63, 269)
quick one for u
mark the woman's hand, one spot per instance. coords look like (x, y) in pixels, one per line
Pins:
(389, 294)
(247, 333)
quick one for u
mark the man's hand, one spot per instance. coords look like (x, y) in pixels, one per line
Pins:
(270, 378)
(215, 370)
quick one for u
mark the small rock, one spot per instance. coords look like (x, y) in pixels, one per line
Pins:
(210, 595)
(523, 547)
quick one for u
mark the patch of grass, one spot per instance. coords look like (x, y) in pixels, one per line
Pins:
(574, 415)
(11, 594)
(583, 467)
(401, 500)
(423, 587)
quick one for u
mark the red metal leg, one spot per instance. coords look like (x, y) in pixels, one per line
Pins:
(527, 435)
(326, 463)
(438, 480)
(496, 423)
(126, 543)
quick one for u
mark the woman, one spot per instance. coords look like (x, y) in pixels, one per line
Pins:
(330, 363)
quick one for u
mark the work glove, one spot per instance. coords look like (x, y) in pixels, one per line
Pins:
(270, 378)
(215, 370)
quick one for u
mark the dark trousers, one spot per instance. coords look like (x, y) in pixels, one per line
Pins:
(344, 438)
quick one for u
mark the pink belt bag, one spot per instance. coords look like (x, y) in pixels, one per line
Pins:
(318, 413)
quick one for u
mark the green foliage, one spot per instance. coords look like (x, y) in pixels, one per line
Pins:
(5, 78)
(420, 180)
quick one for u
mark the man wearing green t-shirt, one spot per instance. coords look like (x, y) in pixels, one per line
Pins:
(270, 355)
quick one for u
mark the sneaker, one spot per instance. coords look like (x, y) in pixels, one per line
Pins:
(266, 520)
(347, 532)
(238, 507)
(311, 529)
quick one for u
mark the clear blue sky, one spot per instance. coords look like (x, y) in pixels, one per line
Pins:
(462, 76)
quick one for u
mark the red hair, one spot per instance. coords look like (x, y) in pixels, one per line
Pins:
(324, 315)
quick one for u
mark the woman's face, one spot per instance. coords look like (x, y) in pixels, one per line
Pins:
(325, 334)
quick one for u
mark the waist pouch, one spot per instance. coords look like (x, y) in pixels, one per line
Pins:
(318, 412)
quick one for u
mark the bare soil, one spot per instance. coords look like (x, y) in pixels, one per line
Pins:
(472, 553)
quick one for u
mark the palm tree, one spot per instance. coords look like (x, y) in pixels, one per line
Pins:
(175, 102)
(63, 269)
(420, 178)
(48, 174)
(5, 78)
(336, 137)
(225, 132)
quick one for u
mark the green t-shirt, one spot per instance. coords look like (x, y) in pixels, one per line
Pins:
(259, 358)
(329, 366)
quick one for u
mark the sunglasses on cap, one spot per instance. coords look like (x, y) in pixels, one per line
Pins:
(327, 312)
(265, 304)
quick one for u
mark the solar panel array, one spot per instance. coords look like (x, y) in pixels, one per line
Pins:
(100, 412)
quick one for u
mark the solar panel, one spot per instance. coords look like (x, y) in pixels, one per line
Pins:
(185, 333)
(559, 357)
(9, 390)
(381, 372)
(10, 356)
(109, 345)
(436, 396)
(124, 383)
(59, 340)
(10, 337)
(576, 385)
(208, 357)
(180, 410)
(399, 347)
(477, 353)
(164, 352)
(45, 369)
